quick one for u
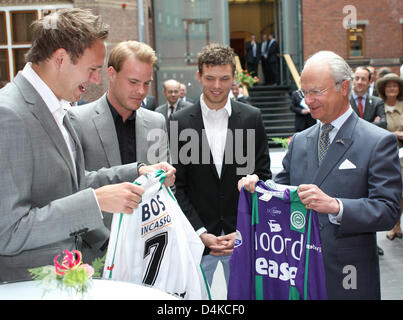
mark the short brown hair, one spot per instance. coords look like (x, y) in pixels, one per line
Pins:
(215, 54)
(123, 50)
(73, 29)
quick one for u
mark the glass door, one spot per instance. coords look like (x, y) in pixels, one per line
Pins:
(182, 28)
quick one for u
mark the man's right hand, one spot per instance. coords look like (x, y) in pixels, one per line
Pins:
(248, 182)
(120, 198)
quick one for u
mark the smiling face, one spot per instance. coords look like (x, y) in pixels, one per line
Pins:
(333, 102)
(361, 81)
(391, 89)
(73, 79)
(129, 86)
(216, 82)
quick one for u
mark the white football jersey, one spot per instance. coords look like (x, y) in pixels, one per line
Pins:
(156, 245)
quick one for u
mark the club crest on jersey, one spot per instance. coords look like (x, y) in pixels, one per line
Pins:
(238, 239)
(298, 221)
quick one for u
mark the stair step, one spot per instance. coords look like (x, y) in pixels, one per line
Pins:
(283, 115)
(281, 122)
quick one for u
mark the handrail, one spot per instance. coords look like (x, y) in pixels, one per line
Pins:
(240, 70)
(293, 70)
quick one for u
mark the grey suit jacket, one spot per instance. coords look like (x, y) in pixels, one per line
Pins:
(163, 109)
(96, 131)
(370, 194)
(374, 107)
(43, 202)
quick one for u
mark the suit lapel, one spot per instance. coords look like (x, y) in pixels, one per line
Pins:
(142, 129)
(341, 143)
(104, 124)
(46, 119)
(312, 157)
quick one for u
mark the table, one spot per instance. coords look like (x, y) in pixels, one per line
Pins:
(101, 289)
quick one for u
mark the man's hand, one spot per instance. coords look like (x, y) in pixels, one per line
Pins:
(119, 198)
(314, 198)
(249, 182)
(219, 246)
(168, 169)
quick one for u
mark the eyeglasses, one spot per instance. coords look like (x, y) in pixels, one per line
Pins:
(315, 93)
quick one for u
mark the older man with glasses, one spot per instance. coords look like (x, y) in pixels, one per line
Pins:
(348, 171)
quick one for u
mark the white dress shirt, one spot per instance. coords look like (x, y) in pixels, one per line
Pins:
(216, 125)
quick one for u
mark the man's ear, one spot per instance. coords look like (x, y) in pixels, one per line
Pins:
(111, 73)
(59, 57)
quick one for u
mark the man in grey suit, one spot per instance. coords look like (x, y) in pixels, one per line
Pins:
(114, 130)
(355, 185)
(46, 198)
(171, 92)
(368, 107)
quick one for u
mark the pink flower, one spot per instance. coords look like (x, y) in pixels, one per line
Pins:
(71, 260)
(88, 269)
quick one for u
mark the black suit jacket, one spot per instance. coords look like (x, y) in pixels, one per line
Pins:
(249, 52)
(151, 103)
(208, 200)
(374, 107)
(302, 121)
(273, 51)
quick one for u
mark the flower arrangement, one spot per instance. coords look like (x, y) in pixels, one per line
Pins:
(285, 142)
(68, 273)
(244, 78)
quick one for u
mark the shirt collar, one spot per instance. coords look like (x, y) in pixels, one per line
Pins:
(206, 110)
(355, 96)
(54, 105)
(115, 114)
(338, 123)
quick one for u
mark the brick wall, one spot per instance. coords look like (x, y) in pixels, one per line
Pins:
(323, 28)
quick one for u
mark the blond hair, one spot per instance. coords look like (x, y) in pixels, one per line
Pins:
(123, 50)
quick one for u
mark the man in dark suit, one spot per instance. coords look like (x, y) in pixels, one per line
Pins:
(237, 95)
(149, 103)
(252, 55)
(264, 47)
(183, 94)
(273, 52)
(303, 118)
(348, 171)
(219, 132)
(173, 104)
(368, 107)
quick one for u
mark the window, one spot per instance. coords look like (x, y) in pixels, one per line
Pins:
(20, 26)
(356, 42)
(16, 36)
(3, 33)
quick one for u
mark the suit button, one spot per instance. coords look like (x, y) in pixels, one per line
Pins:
(321, 226)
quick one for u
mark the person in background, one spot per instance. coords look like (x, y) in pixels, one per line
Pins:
(303, 118)
(252, 56)
(171, 92)
(367, 107)
(237, 96)
(183, 94)
(390, 89)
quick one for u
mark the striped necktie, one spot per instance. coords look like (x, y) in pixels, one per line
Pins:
(324, 141)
